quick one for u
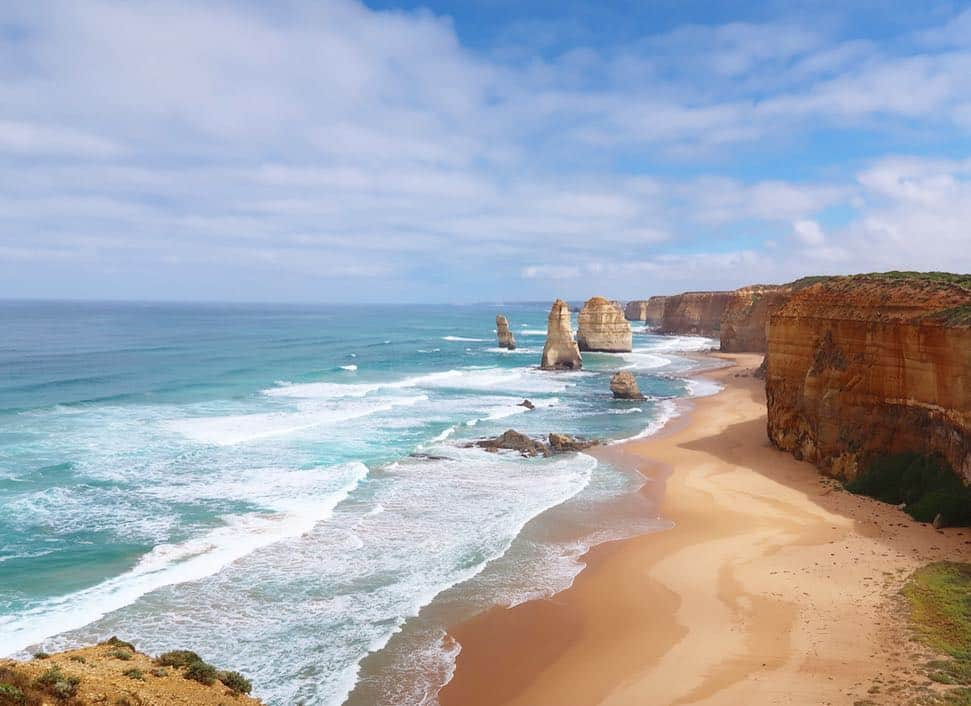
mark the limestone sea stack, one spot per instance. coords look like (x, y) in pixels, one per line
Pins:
(506, 339)
(870, 366)
(603, 327)
(560, 351)
(624, 386)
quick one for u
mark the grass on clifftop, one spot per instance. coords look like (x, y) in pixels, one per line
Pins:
(935, 278)
(939, 596)
(925, 484)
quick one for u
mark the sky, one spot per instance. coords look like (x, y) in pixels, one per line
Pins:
(463, 150)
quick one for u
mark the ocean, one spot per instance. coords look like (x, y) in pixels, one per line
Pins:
(286, 490)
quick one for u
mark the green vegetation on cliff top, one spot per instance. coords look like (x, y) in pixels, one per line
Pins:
(895, 276)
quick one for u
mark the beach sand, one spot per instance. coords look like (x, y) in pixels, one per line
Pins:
(774, 587)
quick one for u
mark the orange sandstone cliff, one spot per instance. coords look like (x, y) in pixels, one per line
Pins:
(869, 365)
(694, 312)
(650, 311)
(745, 321)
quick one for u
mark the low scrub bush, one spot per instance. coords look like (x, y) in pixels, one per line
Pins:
(236, 682)
(58, 683)
(926, 485)
(177, 658)
(201, 672)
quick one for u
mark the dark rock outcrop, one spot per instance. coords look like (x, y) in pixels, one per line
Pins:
(623, 385)
(503, 334)
(602, 327)
(560, 351)
(871, 365)
(512, 440)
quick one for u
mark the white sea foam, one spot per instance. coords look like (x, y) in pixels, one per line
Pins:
(666, 411)
(631, 410)
(350, 368)
(243, 428)
(463, 339)
(698, 387)
(169, 564)
(533, 332)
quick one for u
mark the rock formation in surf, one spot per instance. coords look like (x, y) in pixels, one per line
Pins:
(526, 446)
(624, 386)
(601, 326)
(560, 351)
(694, 313)
(506, 339)
(745, 321)
(869, 366)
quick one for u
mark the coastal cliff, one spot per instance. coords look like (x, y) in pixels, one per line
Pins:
(745, 321)
(503, 334)
(560, 351)
(694, 312)
(870, 366)
(601, 326)
(650, 311)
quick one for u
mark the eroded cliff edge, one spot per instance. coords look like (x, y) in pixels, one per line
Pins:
(745, 320)
(871, 365)
(695, 313)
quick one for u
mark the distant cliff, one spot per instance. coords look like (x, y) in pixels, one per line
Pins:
(650, 311)
(870, 365)
(745, 320)
(694, 312)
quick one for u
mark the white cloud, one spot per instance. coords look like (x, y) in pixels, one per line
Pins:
(809, 233)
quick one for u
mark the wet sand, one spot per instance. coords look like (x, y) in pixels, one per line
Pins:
(774, 586)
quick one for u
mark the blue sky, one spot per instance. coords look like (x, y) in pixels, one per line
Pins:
(476, 151)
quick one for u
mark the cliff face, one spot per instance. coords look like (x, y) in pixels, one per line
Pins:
(503, 334)
(694, 312)
(872, 365)
(655, 311)
(650, 311)
(636, 310)
(601, 326)
(560, 351)
(745, 320)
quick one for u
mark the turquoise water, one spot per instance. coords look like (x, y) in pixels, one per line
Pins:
(285, 490)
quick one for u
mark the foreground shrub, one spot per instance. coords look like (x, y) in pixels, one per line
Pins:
(177, 658)
(201, 672)
(57, 683)
(236, 682)
(926, 485)
(11, 694)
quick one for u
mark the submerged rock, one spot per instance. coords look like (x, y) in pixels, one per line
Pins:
(527, 404)
(603, 327)
(624, 386)
(503, 334)
(560, 351)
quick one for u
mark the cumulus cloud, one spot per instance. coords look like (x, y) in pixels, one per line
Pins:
(328, 150)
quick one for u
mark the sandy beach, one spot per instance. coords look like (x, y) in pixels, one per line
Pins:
(774, 587)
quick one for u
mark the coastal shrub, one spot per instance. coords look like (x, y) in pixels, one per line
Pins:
(122, 653)
(10, 694)
(159, 672)
(58, 683)
(236, 682)
(78, 658)
(134, 673)
(113, 641)
(177, 658)
(925, 484)
(201, 672)
(41, 655)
